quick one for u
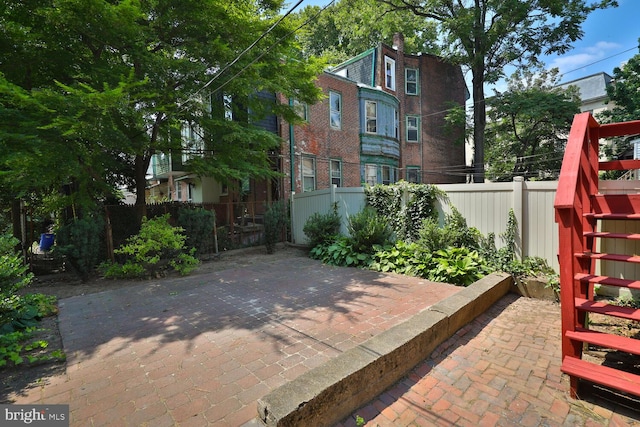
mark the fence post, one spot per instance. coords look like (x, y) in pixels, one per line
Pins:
(518, 211)
(292, 214)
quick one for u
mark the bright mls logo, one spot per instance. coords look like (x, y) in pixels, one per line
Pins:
(36, 415)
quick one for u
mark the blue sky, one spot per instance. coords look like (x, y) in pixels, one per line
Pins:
(610, 38)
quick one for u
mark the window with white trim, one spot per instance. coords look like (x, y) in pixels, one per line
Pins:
(371, 174)
(335, 110)
(308, 174)
(413, 128)
(371, 113)
(336, 172)
(389, 73)
(411, 81)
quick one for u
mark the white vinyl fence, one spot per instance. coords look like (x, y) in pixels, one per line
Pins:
(486, 207)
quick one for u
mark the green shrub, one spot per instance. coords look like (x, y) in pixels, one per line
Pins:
(407, 258)
(14, 274)
(150, 253)
(366, 229)
(340, 252)
(275, 219)
(197, 224)
(458, 266)
(80, 242)
(454, 233)
(404, 205)
(15, 346)
(322, 228)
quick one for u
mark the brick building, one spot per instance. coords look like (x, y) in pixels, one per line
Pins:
(382, 120)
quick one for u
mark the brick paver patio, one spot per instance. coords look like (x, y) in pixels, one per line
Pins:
(201, 350)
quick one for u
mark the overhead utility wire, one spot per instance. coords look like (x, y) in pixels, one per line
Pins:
(242, 70)
(246, 50)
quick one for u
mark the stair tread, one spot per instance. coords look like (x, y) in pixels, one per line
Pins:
(610, 281)
(608, 309)
(606, 234)
(609, 257)
(602, 375)
(617, 342)
(618, 216)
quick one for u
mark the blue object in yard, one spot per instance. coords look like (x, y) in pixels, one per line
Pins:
(46, 241)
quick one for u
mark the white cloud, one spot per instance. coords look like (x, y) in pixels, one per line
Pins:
(584, 56)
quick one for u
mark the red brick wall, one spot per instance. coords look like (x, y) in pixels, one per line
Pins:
(441, 160)
(317, 139)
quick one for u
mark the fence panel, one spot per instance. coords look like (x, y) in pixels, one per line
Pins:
(484, 206)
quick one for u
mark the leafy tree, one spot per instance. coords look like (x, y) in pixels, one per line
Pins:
(528, 126)
(351, 27)
(487, 35)
(97, 87)
(624, 93)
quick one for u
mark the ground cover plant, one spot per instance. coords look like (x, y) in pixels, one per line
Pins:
(381, 239)
(20, 315)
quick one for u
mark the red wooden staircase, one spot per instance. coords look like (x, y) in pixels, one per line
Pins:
(583, 215)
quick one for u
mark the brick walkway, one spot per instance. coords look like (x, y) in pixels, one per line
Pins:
(200, 350)
(503, 369)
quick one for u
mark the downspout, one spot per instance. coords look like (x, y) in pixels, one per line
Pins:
(292, 146)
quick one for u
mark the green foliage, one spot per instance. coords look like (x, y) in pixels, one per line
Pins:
(81, 242)
(366, 229)
(458, 266)
(92, 110)
(17, 345)
(404, 205)
(321, 229)
(340, 252)
(454, 233)
(526, 133)
(14, 274)
(624, 95)
(197, 224)
(408, 258)
(349, 28)
(153, 250)
(275, 219)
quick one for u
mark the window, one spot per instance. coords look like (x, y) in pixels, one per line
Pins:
(413, 175)
(372, 116)
(179, 191)
(386, 175)
(301, 109)
(396, 132)
(192, 141)
(413, 125)
(308, 174)
(390, 73)
(335, 110)
(371, 174)
(411, 81)
(336, 172)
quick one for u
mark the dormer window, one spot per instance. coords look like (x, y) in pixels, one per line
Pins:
(390, 73)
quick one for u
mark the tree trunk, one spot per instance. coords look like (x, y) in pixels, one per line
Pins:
(479, 123)
(141, 165)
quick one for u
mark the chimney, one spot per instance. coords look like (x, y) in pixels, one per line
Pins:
(398, 42)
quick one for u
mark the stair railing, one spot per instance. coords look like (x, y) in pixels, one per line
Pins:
(577, 186)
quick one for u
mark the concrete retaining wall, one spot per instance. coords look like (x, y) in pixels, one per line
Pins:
(332, 391)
